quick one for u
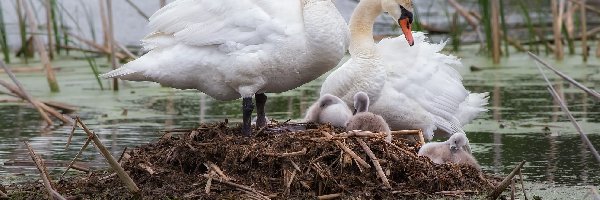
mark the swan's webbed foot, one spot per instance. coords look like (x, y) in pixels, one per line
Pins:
(261, 119)
(247, 108)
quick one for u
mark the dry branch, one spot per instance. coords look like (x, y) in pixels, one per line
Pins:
(565, 109)
(329, 196)
(348, 151)
(111, 160)
(39, 163)
(375, 161)
(238, 186)
(138, 10)
(564, 76)
(297, 153)
(100, 48)
(505, 182)
(522, 184)
(217, 170)
(87, 142)
(20, 91)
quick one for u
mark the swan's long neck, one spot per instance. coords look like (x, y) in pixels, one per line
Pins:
(361, 28)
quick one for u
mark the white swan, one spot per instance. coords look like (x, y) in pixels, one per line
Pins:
(238, 48)
(410, 87)
(328, 109)
(365, 120)
(456, 149)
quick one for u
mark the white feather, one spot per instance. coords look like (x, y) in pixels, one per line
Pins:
(236, 48)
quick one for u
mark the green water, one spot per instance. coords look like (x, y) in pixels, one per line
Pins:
(514, 129)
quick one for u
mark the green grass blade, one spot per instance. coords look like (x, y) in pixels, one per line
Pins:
(3, 41)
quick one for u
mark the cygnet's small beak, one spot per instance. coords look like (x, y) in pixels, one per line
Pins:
(453, 148)
(405, 25)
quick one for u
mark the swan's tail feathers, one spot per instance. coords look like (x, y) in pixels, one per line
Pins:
(117, 73)
(470, 108)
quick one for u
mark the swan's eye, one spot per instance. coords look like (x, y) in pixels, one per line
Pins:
(406, 14)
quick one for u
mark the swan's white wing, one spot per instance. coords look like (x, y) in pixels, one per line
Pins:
(427, 77)
(237, 23)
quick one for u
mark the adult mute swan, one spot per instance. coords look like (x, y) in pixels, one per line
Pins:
(329, 109)
(238, 48)
(365, 120)
(410, 87)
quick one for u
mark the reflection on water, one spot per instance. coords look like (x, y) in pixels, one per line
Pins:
(523, 122)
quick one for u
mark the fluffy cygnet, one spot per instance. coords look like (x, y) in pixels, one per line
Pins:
(367, 121)
(456, 149)
(329, 109)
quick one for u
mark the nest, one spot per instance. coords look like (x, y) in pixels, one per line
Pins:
(283, 161)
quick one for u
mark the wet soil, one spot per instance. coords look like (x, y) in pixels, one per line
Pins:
(283, 161)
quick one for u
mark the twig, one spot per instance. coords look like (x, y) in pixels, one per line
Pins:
(359, 134)
(565, 109)
(498, 190)
(375, 161)
(348, 151)
(217, 169)
(101, 48)
(512, 189)
(111, 160)
(87, 142)
(522, 184)
(122, 154)
(2, 195)
(564, 76)
(71, 135)
(21, 92)
(127, 52)
(456, 192)
(238, 186)
(39, 163)
(297, 153)
(37, 104)
(329, 196)
(138, 10)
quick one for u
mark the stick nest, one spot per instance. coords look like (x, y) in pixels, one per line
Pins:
(284, 161)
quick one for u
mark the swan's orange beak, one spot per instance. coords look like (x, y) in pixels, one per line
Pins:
(405, 25)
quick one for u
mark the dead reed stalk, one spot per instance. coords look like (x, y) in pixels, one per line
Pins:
(495, 23)
(584, 46)
(565, 109)
(557, 13)
(104, 23)
(375, 161)
(48, 8)
(502, 186)
(138, 10)
(39, 163)
(111, 39)
(131, 186)
(20, 91)
(564, 76)
(349, 151)
(41, 49)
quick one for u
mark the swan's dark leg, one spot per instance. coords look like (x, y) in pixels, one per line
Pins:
(261, 119)
(247, 108)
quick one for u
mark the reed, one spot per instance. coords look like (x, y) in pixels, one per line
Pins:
(22, 31)
(3, 35)
(495, 23)
(37, 43)
(111, 36)
(504, 29)
(49, 28)
(163, 3)
(557, 13)
(485, 19)
(584, 46)
(55, 25)
(570, 40)
(526, 15)
(94, 66)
